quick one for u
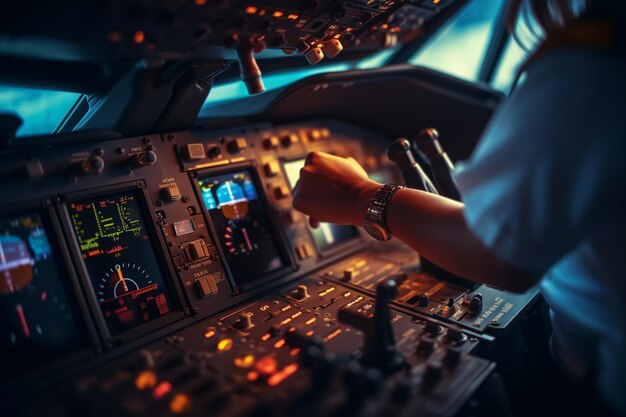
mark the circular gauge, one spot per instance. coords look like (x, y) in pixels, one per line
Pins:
(242, 236)
(122, 279)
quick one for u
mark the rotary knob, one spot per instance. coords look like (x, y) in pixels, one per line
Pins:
(93, 165)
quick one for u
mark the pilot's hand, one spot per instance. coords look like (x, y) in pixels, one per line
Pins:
(333, 189)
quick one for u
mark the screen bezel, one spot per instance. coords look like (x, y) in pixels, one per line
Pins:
(281, 239)
(332, 250)
(139, 188)
(75, 297)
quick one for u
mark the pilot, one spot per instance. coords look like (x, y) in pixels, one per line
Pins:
(544, 195)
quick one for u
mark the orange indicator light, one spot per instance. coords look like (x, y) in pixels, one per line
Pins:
(279, 344)
(309, 333)
(139, 37)
(251, 10)
(209, 334)
(200, 2)
(266, 337)
(294, 352)
(225, 345)
(252, 376)
(333, 335)
(181, 402)
(266, 366)
(145, 380)
(292, 16)
(277, 14)
(161, 390)
(285, 373)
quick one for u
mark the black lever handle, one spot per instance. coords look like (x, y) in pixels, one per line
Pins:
(427, 145)
(399, 152)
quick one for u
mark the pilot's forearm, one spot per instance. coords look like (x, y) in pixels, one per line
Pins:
(435, 227)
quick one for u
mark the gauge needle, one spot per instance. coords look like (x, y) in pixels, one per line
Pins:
(119, 274)
(245, 235)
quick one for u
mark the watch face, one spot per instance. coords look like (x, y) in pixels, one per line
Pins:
(376, 231)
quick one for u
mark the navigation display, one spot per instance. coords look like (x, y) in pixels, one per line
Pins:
(120, 259)
(242, 224)
(326, 235)
(36, 322)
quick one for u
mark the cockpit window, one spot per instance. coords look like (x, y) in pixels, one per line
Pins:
(41, 110)
(460, 46)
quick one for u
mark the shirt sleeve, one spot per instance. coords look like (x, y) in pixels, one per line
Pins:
(551, 162)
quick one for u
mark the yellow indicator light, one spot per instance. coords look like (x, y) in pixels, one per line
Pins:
(251, 10)
(298, 314)
(310, 321)
(286, 321)
(245, 361)
(279, 344)
(436, 1)
(277, 14)
(225, 345)
(180, 403)
(145, 380)
(361, 263)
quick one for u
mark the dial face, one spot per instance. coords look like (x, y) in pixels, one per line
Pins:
(243, 235)
(241, 221)
(37, 324)
(123, 279)
(119, 257)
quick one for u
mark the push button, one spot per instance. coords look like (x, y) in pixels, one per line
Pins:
(290, 139)
(271, 169)
(172, 192)
(194, 250)
(281, 191)
(206, 286)
(271, 142)
(237, 145)
(194, 151)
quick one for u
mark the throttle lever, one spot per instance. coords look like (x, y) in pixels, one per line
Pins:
(399, 152)
(379, 350)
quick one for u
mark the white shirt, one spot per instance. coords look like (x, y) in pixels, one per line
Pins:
(545, 191)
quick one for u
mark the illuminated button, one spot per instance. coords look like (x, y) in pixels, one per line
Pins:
(225, 345)
(145, 380)
(266, 366)
(172, 192)
(244, 361)
(315, 135)
(281, 191)
(271, 168)
(271, 142)
(314, 55)
(194, 250)
(332, 48)
(303, 251)
(325, 133)
(161, 390)
(237, 145)
(206, 286)
(180, 403)
(290, 139)
(194, 151)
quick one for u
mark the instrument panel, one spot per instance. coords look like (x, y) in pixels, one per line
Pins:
(170, 264)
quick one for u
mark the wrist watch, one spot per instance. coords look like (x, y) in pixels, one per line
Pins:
(375, 222)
